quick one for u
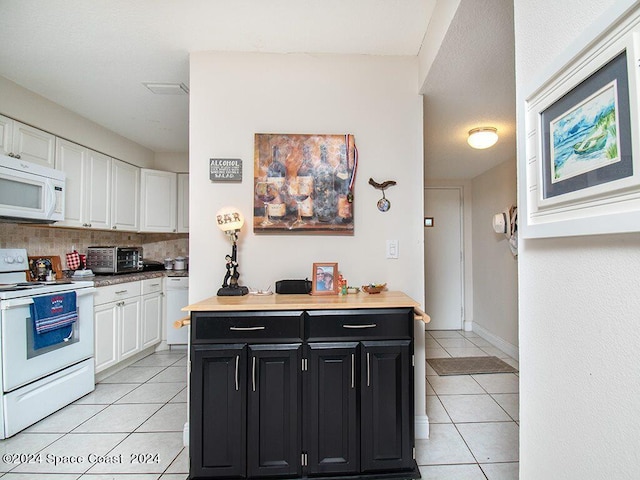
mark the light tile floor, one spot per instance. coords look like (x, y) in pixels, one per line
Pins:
(473, 419)
(137, 415)
(134, 418)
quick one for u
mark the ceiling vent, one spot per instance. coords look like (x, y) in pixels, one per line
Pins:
(168, 88)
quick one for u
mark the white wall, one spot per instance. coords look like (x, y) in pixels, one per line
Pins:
(579, 304)
(171, 162)
(23, 105)
(495, 270)
(441, 16)
(235, 95)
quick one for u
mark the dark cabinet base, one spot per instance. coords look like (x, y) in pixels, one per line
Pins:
(411, 474)
(293, 395)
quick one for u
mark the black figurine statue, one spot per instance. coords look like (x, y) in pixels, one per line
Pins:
(230, 286)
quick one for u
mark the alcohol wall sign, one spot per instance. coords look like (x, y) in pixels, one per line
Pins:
(225, 169)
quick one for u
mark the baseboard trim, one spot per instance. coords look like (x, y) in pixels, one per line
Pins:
(497, 342)
(422, 426)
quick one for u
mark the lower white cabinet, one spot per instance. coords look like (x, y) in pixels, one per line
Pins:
(127, 319)
(130, 325)
(151, 312)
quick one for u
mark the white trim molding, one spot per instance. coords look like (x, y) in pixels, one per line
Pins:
(497, 342)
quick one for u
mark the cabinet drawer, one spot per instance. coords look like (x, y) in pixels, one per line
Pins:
(113, 293)
(250, 327)
(363, 324)
(151, 285)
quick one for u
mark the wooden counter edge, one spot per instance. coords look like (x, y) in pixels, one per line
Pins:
(388, 299)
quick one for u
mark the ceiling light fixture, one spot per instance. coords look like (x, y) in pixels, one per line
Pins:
(167, 88)
(482, 137)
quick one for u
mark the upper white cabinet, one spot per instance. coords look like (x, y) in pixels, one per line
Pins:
(158, 201)
(26, 142)
(6, 135)
(125, 196)
(88, 185)
(183, 202)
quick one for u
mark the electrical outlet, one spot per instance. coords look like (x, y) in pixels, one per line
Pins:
(392, 249)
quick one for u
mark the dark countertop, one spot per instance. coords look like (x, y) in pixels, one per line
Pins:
(105, 280)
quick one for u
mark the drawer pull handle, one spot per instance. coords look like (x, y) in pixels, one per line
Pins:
(244, 329)
(120, 292)
(237, 362)
(368, 325)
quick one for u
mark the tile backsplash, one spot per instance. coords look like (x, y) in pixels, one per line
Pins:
(46, 240)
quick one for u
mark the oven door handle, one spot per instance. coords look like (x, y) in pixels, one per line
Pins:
(15, 303)
(21, 302)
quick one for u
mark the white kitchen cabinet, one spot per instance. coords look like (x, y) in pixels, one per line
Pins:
(88, 185)
(105, 328)
(158, 201)
(117, 323)
(151, 312)
(125, 196)
(6, 135)
(130, 323)
(183, 202)
(26, 142)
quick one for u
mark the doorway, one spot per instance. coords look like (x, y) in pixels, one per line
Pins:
(444, 259)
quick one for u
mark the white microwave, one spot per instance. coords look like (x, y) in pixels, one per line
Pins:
(30, 193)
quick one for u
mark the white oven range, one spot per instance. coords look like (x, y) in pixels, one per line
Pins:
(38, 378)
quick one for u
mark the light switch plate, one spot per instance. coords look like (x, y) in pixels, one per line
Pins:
(392, 249)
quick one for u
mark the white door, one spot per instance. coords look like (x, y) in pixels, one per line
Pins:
(443, 258)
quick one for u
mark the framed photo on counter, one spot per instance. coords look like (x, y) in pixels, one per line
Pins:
(325, 279)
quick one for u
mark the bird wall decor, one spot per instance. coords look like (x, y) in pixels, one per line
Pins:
(383, 204)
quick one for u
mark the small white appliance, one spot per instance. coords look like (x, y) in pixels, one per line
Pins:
(176, 294)
(30, 193)
(36, 379)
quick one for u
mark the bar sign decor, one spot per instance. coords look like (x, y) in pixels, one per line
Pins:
(225, 170)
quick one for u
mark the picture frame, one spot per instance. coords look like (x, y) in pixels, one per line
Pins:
(325, 279)
(304, 183)
(579, 167)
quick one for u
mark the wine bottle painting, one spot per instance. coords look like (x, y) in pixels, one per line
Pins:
(309, 180)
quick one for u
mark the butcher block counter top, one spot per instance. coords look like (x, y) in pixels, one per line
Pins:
(276, 301)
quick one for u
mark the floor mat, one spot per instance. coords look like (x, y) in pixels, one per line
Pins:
(469, 365)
